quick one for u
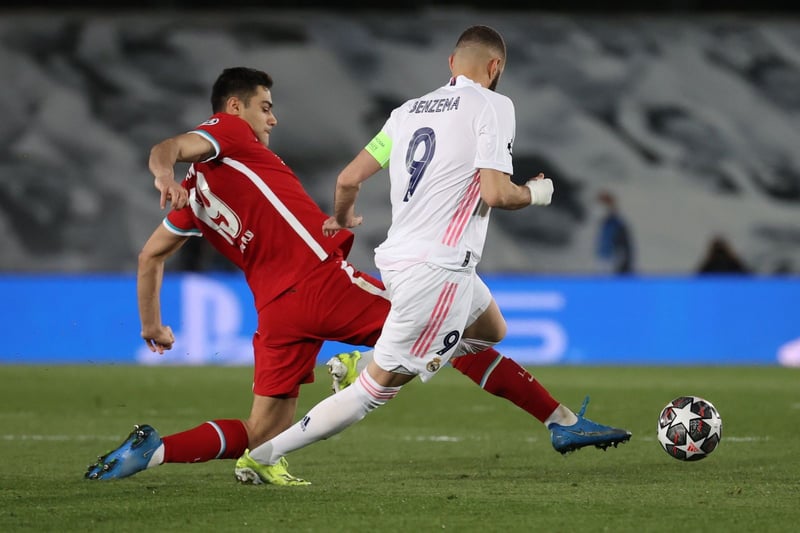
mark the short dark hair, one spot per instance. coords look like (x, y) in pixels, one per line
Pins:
(241, 82)
(483, 35)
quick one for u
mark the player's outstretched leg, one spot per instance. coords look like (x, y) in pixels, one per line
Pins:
(249, 471)
(130, 457)
(585, 433)
(344, 368)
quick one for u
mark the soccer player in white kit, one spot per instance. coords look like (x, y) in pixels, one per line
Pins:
(449, 155)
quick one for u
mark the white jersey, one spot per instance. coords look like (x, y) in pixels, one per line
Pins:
(438, 143)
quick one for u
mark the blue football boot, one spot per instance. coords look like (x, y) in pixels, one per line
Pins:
(132, 455)
(585, 433)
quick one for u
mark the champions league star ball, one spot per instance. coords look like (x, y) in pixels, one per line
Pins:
(689, 428)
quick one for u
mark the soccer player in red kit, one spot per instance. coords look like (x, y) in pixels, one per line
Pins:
(251, 207)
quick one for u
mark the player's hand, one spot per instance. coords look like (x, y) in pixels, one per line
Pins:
(541, 190)
(159, 340)
(171, 191)
(331, 226)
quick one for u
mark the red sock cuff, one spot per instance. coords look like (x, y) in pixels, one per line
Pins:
(216, 439)
(504, 377)
(236, 439)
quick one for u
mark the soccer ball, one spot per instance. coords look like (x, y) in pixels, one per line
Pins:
(689, 428)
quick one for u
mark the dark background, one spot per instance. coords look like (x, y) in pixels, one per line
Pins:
(652, 6)
(691, 120)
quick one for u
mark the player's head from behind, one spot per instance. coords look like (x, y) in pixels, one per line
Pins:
(480, 55)
(245, 92)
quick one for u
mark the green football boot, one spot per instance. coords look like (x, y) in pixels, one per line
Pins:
(250, 471)
(343, 369)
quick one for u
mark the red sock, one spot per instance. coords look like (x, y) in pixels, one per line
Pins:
(217, 439)
(505, 378)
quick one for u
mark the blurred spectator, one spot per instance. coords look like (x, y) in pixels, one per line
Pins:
(721, 258)
(783, 267)
(614, 250)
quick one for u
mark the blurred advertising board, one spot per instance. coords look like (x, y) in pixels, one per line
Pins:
(92, 319)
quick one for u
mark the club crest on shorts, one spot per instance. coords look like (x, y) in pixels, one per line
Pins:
(434, 365)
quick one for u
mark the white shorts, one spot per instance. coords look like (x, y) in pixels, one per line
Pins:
(431, 306)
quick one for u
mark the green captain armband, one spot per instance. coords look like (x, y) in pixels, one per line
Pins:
(380, 147)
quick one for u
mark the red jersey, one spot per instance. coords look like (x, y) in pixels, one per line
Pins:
(254, 210)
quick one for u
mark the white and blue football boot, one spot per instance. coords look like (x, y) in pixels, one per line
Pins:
(585, 433)
(129, 458)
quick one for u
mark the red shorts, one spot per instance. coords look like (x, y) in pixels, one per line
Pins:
(335, 302)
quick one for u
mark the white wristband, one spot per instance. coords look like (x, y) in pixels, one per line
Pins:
(541, 191)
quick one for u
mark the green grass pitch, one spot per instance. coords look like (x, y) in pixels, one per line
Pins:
(441, 456)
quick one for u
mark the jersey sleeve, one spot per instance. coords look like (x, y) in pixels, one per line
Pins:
(182, 222)
(496, 126)
(224, 132)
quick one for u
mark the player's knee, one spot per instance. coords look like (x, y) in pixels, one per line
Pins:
(496, 334)
(489, 327)
(497, 331)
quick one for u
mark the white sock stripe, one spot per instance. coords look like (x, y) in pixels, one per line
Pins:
(491, 368)
(222, 443)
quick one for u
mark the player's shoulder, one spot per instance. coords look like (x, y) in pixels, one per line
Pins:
(501, 105)
(222, 121)
(496, 99)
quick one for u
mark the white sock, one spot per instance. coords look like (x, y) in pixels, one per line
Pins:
(561, 416)
(328, 417)
(157, 458)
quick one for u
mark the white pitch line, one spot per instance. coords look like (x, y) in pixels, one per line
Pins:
(725, 438)
(450, 438)
(434, 438)
(58, 438)
(419, 438)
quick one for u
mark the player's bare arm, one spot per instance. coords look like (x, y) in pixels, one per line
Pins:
(497, 190)
(186, 148)
(161, 244)
(348, 184)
